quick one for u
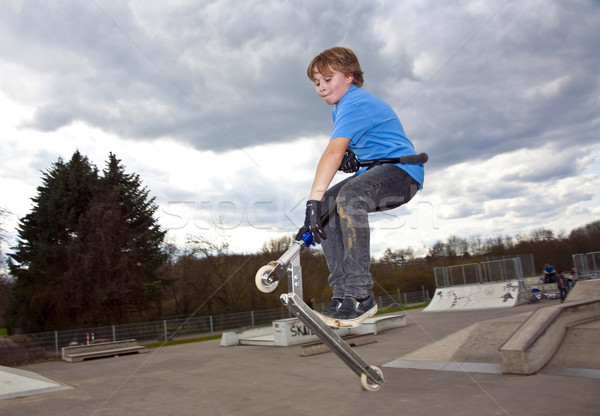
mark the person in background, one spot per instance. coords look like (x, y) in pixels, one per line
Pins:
(572, 278)
(549, 273)
(561, 284)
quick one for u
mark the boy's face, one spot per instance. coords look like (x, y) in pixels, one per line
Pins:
(331, 88)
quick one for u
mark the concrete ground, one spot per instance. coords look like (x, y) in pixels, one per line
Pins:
(207, 379)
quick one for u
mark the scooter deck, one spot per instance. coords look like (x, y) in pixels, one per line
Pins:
(355, 362)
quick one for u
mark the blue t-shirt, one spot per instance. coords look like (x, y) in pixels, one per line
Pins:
(374, 130)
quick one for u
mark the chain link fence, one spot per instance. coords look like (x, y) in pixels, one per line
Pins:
(39, 346)
(527, 264)
(484, 272)
(587, 264)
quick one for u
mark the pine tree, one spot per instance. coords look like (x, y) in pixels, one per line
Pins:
(89, 251)
(39, 259)
(121, 254)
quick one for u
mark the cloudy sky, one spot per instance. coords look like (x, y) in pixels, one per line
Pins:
(209, 103)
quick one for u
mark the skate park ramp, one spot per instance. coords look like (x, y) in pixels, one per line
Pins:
(19, 383)
(479, 347)
(473, 349)
(478, 296)
(578, 352)
(585, 289)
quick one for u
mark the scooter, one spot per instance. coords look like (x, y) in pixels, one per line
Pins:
(288, 266)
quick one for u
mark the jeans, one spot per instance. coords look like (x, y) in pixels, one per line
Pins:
(563, 293)
(347, 247)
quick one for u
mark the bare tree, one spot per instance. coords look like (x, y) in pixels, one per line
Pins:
(220, 278)
(277, 245)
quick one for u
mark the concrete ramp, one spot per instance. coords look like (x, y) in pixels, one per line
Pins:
(579, 348)
(472, 349)
(482, 346)
(535, 342)
(584, 289)
(18, 383)
(478, 296)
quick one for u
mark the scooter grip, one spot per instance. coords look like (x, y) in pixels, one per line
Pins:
(308, 239)
(414, 159)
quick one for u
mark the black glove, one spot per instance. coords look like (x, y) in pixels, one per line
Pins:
(349, 162)
(312, 222)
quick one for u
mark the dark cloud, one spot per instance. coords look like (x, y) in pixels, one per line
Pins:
(226, 75)
(221, 76)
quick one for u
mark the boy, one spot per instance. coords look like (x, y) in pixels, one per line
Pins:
(365, 128)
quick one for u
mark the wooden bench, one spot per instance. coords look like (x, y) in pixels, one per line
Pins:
(101, 349)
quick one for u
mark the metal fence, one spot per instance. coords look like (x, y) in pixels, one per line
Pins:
(588, 263)
(461, 274)
(527, 264)
(502, 270)
(484, 272)
(28, 347)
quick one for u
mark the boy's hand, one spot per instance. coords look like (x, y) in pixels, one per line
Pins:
(312, 222)
(349, 162)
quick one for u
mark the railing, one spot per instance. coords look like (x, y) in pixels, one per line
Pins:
(31, 347)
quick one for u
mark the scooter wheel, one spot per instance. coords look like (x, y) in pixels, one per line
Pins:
(262, 279)
(367, 383)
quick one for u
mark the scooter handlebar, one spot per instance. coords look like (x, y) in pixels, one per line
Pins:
(405, 160)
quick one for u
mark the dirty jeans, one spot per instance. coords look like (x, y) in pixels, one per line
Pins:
(347, 247)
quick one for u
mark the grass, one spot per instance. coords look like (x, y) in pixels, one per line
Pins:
(182, 341)
(401, 309)
(3, 331)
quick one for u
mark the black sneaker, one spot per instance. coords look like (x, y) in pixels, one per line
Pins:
(353, 313)
(326, 313)
(333, 306)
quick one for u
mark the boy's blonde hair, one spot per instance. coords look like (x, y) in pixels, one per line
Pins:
(339, 59)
